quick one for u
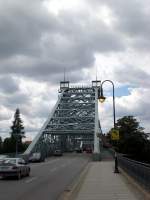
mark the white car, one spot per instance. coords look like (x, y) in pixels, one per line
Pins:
(14, 167)
(36, 157)
(2, 157)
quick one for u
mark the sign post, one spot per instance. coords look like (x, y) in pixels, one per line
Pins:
(115, 137)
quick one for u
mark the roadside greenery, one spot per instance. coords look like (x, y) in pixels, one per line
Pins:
(133, 141)
(10, 144)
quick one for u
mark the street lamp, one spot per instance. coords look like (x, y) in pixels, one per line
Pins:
(102, 98)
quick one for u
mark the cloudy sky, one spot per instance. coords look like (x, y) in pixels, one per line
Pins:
(39, 38)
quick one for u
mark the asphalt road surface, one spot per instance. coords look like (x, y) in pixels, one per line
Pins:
(47, 180)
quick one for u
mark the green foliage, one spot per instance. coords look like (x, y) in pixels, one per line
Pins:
(1, 145)
(17, 129)
(9, 145)
(128, 126)
(16, 135)
(132, 140)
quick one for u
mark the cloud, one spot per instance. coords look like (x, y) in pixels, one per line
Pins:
(37, 43)
(21, 26)
(40, 39)
(136, 104)
(8, 84)
(133, 76)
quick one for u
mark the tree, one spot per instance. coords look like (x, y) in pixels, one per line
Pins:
(9, 145)
(17, 131)
(128, 125)
(132, 137)
(1, 145)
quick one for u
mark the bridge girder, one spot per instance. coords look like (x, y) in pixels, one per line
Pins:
(72, 118)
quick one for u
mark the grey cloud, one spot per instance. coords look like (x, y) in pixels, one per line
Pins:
(132, 19)
(130, 75)
(13, 101)
(142, 44)
(91, 33)
(21, 26)
(4, 132)
(8, 84)
(38, 44)
(19, 99)
(139, 110)
(4, 116)
(45, 70)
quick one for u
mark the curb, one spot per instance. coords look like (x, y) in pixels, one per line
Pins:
(138, 187)
(72, 190)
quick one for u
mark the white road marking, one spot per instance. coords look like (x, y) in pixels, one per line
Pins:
(31, 179)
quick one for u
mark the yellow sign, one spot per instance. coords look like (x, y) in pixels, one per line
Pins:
(115, 134)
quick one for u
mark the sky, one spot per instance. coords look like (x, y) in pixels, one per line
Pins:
(41, 38)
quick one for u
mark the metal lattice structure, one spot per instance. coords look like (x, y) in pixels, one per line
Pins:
(74, 119)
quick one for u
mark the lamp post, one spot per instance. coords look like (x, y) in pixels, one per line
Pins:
(16, 137)
(102, 98)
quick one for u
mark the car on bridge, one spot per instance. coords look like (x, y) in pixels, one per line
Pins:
(14, 167)
(58, 152)
(36, 157)
(89, 150)
(2, 157)
(78, 150)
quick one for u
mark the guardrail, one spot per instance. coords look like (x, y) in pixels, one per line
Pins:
(139, 171)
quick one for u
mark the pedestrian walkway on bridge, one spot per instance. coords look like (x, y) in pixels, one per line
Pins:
(101, 183)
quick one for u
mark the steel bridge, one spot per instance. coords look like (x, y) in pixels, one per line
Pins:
(72, 122)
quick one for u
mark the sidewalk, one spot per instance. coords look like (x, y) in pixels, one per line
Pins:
(101, 183)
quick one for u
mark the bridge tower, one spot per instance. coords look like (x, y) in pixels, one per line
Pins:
(72, 122)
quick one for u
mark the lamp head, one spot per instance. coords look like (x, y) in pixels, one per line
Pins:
(101, 99)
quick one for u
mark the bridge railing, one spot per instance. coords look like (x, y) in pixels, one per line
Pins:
(138, 170)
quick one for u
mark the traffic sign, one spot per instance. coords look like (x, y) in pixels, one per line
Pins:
(115, 134)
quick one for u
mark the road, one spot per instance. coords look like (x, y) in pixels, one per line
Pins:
(47, 180)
